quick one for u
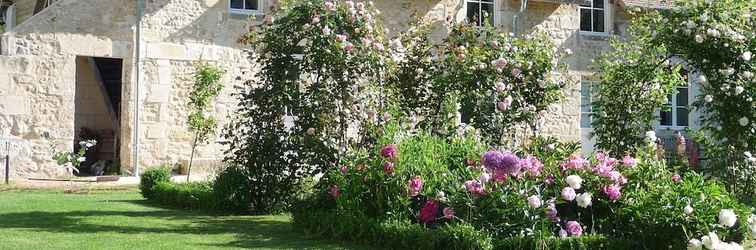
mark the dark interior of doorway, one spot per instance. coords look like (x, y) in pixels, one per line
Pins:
(98, 113)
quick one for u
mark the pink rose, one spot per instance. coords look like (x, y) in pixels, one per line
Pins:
(415, 185)
(448, 213)
(574, 228)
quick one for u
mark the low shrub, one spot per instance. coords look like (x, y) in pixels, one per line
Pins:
(151, 178)
(192, 195)
(232, 190)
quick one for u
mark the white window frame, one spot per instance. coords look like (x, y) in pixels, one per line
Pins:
(480, 3)
(674, 105)
(245, 11)
(591, 86)
(607, 19)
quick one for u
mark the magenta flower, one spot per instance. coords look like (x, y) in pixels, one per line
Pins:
(388, 168)
(532, 165)
(629, 161)
(574, 162)
(448, 213)
(344, 169)
(475, 187)
(568, 194)
(428, 212)
(390, 151)
(415, 185)
(501, 164)
(676, 178)
(574, 228)
(334, 191)
(612, 191)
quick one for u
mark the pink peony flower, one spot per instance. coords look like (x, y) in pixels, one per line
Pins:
(629, 161)
(415, 185)
(475, 187)
(532, 165)
(388, 168)
(574, 228)
(334, 191)
(534, 201)
(330, 6)
(676, 178)
(568, 194)
(448, 213)
(551, 212)
(428, 212)
(563, 233)
(574, 162)
(344, 169)
(612, 191)
(348, 47)
(390, 151)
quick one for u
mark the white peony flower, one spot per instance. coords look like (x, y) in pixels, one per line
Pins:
(743, 121)
(708, 98)
(574, 181)
(711, 241)
(695, 244)
(651, 136)
(688, 209)
(699, 39)
(739, 90)
(748, 75)
(727, 217)
(534, 201)
(584, 200)
(746, 56)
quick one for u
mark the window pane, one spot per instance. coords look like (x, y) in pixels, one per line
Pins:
(665, 118)
(682, 97)
(237, 4)
(599, 4)
(586, 3)
(473, 13)
(585, 120)
(250, 4)
(487, 1)
(682, 117)
(585, 20)
(488, 12)
(598, 21)
(585, 97)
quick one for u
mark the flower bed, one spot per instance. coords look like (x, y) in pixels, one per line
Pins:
(453, 193)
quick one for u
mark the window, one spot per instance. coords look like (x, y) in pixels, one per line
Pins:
(586, 98)
(246, 6)
(593, 16)
(480, 12)
(676, 111)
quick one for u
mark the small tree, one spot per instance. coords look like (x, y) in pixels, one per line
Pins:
(206, 86)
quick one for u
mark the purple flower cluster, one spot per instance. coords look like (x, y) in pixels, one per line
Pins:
(531, 165)
(501, 164)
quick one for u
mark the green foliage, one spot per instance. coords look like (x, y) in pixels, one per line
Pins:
(319, 95)
(206, 86)
(192, 195)
(232, 190)
(591, 242)
(635, 79)
(151, 178)
(497, 81)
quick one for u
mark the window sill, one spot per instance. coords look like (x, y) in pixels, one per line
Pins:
(594, 34)
(669, 128)
(245, 12)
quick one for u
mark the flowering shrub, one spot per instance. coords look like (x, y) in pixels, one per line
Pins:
(494, 81)
(545, 190)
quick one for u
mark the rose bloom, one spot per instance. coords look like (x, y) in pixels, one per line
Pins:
(448, 213)
(415, 185)
(568, 194)
(390, 151)
(574, 228)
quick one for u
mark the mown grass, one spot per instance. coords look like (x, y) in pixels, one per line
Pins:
(122, 219)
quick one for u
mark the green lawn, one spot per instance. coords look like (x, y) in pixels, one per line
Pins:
(121, 219)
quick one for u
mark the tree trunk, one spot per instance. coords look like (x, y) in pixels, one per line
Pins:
(191, 159)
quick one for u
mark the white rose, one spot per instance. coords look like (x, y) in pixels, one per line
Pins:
(743, 121)
(747, 56)
(708, 98)
(727, 217)
(574, 181)
(688, 209)
(651, 136)
(695, 244)
(584, 200)
(711, 241)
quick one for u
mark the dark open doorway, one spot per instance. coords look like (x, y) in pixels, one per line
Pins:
(98, 106)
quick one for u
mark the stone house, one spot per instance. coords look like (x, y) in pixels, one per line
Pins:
(122, 70)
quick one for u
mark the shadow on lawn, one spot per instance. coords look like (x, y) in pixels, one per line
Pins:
(250, 231)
